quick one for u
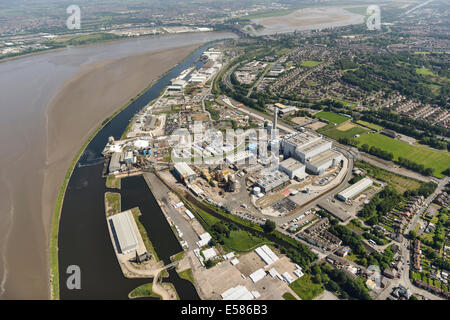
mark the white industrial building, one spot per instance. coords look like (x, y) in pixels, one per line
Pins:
(177, 85)
(239, 157)
(239, 293)
(313, 149)
(184, 172)
(257, 275)
(272, 180)
(291, 143)
(204, 239)
(318, 164)
(123, 230)
(114, 163)
(189, 214)
(209, 253)
(293, 168)
(354, 189)
(266, 254)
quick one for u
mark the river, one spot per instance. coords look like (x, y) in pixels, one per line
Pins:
(27, 85)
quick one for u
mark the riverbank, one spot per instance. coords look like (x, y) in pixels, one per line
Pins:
(122, 39)
(96, 90)
(27, 86)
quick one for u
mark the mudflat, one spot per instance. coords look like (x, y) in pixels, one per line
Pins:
(91, 95)
(309, 18)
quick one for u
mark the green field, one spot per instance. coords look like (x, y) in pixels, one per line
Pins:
(112, 182)
(424, 71)
(187, 274)
(305, 288)
(337, 134)
(112, 203)
(288, 296)
(439, 160)
(331, 117)
(143, 291)
(242, 241)
(370, 125)
(309, 63)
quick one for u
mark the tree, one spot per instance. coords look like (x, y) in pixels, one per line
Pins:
(209, 264)
(333, 286)
(269, 226)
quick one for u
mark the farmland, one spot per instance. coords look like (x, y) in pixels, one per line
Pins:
(439, 160)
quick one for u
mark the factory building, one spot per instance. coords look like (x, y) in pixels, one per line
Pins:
(272, 180)
(311, 150)
(114, 163)
(287, 111)
(291, 143)
(183, 172)
(354, 189)
(319, 163)
(123, 229)
(177, 85)
(239, 157)
(293, 168)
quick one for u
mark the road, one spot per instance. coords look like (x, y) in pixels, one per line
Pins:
(405, 253)
(392, 167)
(160, 191)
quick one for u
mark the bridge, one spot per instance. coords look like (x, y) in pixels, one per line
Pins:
(170, 265)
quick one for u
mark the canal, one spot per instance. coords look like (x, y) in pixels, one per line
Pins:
(83, 235)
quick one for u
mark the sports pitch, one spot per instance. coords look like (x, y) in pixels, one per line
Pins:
(439, 160)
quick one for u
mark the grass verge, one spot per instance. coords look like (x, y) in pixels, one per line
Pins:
(143, 291)
(305, 288)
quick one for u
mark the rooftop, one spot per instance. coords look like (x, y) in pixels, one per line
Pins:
(291, 164)
(323, 157)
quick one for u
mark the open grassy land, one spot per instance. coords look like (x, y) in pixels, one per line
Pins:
(424, 71)
(143, 291)
(239, 240)
(91, 38)
(309, 63)
(345, 103)
(177, 257)
(112, 203)
(112, 182)
(439, 160)
(288, 296)
(370, 125)
(331, 117)
(187, 274)
(305, 288)
(346, 130)
(242, 241)
(399, 183)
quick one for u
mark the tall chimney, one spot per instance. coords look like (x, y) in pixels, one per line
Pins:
(275, 116)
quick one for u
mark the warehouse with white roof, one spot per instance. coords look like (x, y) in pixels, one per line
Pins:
(123, 230)
(318, 164)
(354, 189)
(293, 168)
(308, 151)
